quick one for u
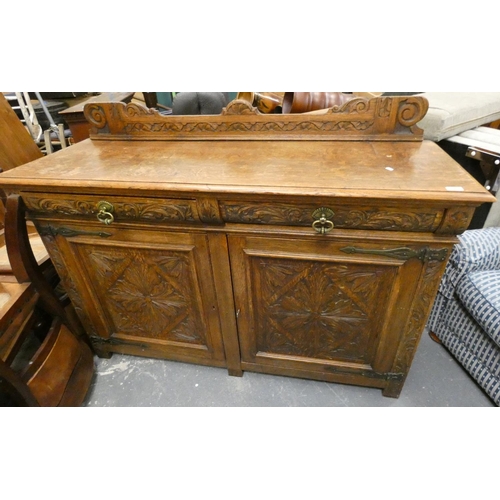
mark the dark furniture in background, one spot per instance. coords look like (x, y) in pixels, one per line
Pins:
(73, 115)
(16, 144)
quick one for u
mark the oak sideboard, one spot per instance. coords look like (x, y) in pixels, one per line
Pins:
(299, 245)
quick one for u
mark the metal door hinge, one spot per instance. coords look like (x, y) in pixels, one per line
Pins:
(404, 253)
(68, 233)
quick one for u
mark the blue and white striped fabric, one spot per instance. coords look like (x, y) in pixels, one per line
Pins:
(466, 312)
(474, 365)
(478, 250)
(480, 294)
(458, 325)
(474, 350)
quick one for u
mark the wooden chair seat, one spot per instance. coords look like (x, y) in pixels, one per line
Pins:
(55, 370)
(54, 375)
(37, 246)
(18, 302)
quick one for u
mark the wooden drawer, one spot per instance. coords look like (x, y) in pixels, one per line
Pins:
(342, 216)
(122, 209)
(206, 210)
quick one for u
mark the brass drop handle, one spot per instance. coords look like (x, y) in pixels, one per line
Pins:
(323, 224)
(105, 214)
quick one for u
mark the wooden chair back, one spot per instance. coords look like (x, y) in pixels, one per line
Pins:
(17, 147)
(44, 360)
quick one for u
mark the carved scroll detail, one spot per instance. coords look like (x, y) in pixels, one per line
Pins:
(343, 218)
(63, 207)
(411, 111)
(382, 219)
(266, 214)
(96, 116)
(387, 118)
(161, 211)
(239, 126)
(158, 212)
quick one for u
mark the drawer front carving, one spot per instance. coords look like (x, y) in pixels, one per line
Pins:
(124, 209)
(386, 219)
(208, 211)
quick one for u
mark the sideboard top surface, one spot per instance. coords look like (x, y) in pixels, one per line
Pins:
(390, 170)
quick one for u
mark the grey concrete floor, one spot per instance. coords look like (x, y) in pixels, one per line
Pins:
(435, 380)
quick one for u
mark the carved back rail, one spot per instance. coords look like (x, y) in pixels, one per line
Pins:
(379, 119)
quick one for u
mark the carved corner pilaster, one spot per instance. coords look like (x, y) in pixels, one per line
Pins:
(456, 220)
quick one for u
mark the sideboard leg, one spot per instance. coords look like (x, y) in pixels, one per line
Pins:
(104, 354)
(235, 372)
(100, 353)
(393, 389)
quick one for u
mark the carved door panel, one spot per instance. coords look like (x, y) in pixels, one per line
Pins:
(141, 292)
(322, 308)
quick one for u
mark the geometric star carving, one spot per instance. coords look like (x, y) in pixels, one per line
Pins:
(149, 293)
(314, 309)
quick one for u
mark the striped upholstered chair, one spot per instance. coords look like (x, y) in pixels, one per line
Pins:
(466, 313)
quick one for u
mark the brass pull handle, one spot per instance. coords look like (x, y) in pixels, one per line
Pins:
(323, 224)
(105, 214)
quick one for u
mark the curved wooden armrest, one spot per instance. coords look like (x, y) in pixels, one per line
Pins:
(25, 266)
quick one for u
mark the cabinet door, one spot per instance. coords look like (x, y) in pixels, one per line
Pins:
(141, 292)
(326, 309)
